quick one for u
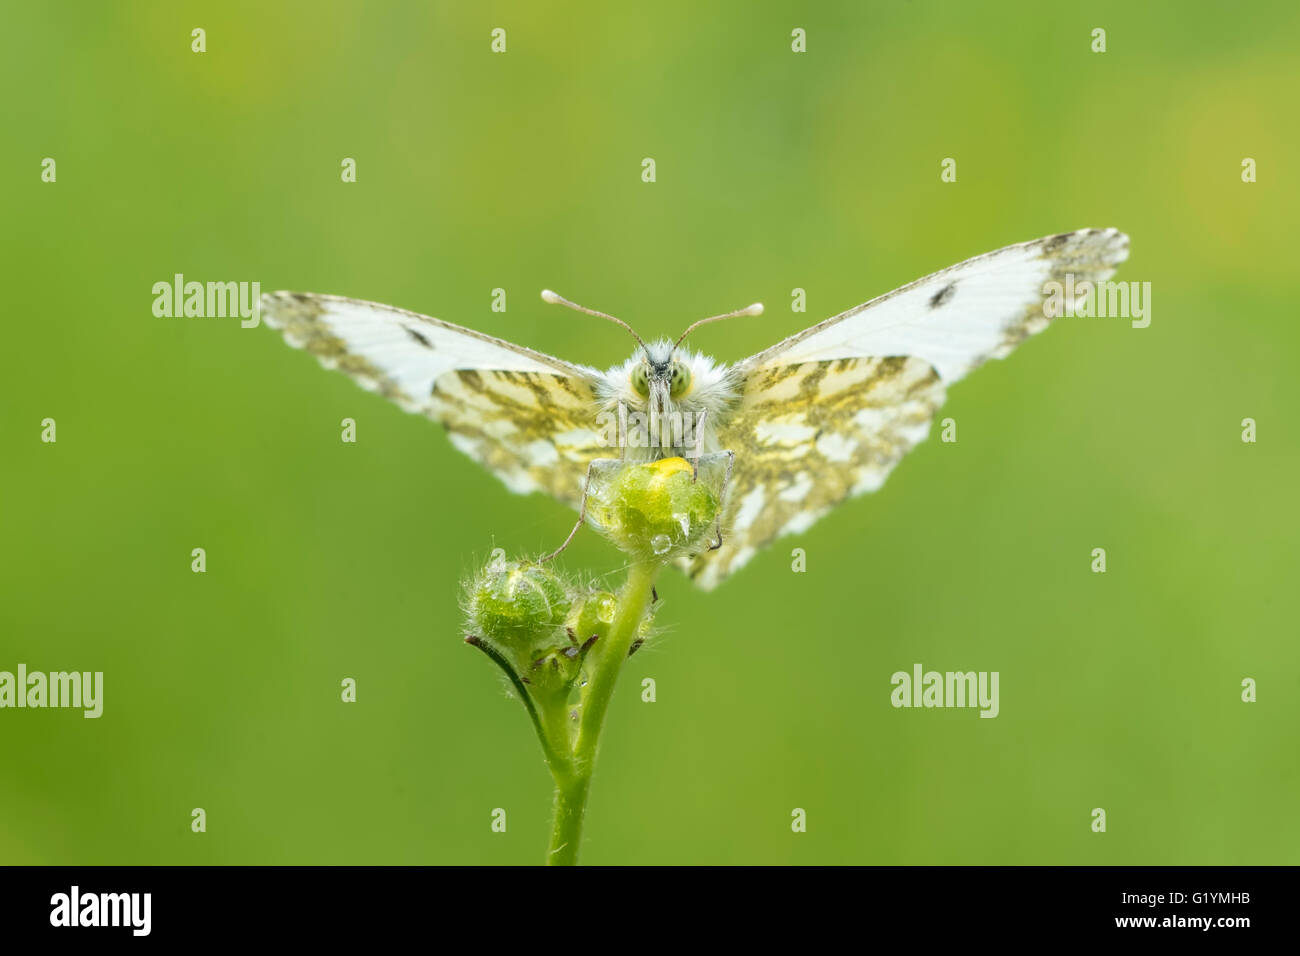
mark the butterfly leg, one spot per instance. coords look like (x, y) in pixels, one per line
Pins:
(699, 449)
(582, 517)
(722, 500)
(582, 513)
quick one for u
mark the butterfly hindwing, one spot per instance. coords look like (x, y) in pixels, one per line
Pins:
(534, 430)
(808, 436)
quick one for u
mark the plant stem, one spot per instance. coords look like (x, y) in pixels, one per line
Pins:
(545, 734)
(570, 806)
(573, 782)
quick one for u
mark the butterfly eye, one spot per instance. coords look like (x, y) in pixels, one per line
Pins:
(681, 380)
(640, 381)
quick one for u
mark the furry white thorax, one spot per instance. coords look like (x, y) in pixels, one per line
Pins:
(712, 392)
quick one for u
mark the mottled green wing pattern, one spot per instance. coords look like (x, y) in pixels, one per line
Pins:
(533, 430)
(809, 436)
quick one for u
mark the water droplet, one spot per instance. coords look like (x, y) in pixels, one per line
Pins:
(605, 612)
(684, 521)
(661, 544)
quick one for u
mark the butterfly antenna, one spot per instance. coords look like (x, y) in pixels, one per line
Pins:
(556, 299)
(755, 309)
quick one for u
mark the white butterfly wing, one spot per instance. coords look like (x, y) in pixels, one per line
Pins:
(958, 317)
(527, 417)
(826, 414)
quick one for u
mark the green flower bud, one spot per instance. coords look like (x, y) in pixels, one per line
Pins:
(554, 669)
(591, 615)
(516, 604)
(656, 508)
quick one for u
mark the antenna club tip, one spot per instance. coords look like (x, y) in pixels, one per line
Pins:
(755, 309)
(550, 297)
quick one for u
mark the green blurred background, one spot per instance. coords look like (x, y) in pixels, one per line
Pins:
(522, 171)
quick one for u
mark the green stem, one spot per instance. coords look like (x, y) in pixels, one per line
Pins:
(570, 806)
(547, 738)
(572, 783)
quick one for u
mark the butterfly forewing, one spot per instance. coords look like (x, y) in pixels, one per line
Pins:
(527, 417)
(961, 316)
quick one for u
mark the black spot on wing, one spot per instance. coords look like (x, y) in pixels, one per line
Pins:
(943, 295)
(418, 336)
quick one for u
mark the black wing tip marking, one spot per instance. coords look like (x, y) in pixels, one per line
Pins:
(1112, 242)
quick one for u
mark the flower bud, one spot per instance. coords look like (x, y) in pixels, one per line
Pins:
(556, 662)
(659, 508)
(517, 604)
(591, 615)
(554, 669)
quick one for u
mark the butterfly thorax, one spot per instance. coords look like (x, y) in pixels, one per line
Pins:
(666, 402)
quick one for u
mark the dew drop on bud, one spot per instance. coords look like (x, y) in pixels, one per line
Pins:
(661, 544)
(605, 612)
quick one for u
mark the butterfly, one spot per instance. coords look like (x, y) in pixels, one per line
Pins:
(816, 419)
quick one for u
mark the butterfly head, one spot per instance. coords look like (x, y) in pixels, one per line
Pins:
(661, 371)
(661, 376)
(661, 379)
